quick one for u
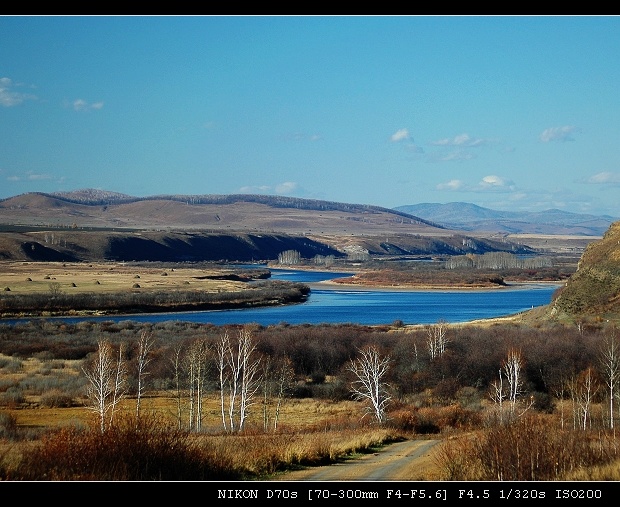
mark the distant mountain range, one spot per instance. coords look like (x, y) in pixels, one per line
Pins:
(469, 217)
(93, 224)
(268, 213)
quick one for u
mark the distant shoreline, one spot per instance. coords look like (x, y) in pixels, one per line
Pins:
(426, 288)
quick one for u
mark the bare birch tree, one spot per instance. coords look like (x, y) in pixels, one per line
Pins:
(238, 375)
(100, 376)
(512, 367)
(223, 352)
(369, 371)
(610, 366)
(278, 377)
(106, 382)
(583, 388)
(176, 363)
(510, 370)
(497, 393)
(284, 380)
(119, 388)
(197, 370)
(436, 339)
(250, 382)
(145, 347)
(289, 257)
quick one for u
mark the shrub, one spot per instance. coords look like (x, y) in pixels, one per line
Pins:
(531, 448)
(146, 449)
(402, 419)
(56, 399)
(8, 425)
(12, 397)
(11, 365)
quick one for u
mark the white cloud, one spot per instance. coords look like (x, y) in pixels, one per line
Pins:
(490, 183)
(492, 180)
(461, 144)
(31, 176)
(464, 140)
(604, 177)
(495, 183)
(400, 135)
(37, 177)
(286, 188)
(8, 97)
(560, 134)
(451, 185)
(82, 105)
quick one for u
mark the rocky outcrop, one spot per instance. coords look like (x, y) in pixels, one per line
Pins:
(593, 291)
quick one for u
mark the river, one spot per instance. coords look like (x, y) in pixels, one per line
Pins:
(335, 305)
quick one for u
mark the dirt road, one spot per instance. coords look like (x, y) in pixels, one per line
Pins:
(412, 460)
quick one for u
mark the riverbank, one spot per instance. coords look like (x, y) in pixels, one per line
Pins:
(435, 277)
(48, 289)
(509, 285)
(117, 289)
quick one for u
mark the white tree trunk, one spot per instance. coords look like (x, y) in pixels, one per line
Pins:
(369, 370)
(145, 345)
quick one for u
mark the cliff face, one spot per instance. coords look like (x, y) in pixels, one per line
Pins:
(594, 290)
(71, 246)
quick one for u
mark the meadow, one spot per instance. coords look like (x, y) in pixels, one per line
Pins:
(558, 428)
(168, 413)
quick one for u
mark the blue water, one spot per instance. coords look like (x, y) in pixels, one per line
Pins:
(365, 307)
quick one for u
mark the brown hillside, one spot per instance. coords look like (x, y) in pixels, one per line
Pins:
(593, 292)
(292, 217)
(92, 224)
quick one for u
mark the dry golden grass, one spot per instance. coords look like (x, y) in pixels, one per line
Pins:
(76, 278)
(609, 472)
(309, 431)
(295, 414)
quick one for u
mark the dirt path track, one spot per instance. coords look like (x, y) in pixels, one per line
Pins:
(403, 461)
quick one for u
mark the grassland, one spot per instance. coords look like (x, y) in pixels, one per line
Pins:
(47, 289)
(111, 277)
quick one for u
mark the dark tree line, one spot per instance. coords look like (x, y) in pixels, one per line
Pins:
(62, 301)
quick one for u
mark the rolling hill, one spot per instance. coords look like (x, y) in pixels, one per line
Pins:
(95, 209)
(92, 224)
(469, 217)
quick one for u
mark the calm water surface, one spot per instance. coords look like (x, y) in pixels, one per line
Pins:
(365, 307)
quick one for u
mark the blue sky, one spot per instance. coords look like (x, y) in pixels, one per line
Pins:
(506, 112)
